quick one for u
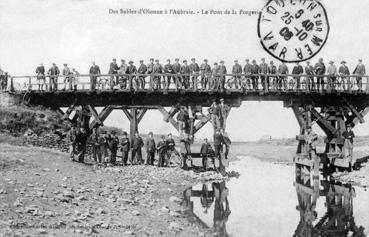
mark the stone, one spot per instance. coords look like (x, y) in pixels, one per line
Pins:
(165, 209)
(100, 211)
(174, 226)
(135, 212)
(128, 232)
(174, 199)
(68, 194)
(175, 214)
(49, 213)
(41, 231)
(3, 191)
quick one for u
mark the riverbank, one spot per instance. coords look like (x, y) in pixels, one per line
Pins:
(43, 193)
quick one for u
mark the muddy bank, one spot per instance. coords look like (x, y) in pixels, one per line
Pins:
(43, 193)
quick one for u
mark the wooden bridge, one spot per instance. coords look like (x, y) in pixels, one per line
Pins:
(339, 103)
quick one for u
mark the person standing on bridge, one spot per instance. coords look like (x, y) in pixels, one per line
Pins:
(40, 72)
(113, 69)
(131, 71)
(177, 71)
(272, 70)
(67, 81)
(237, 71)
(255, 70)
(150, 149)
(123, 71)
(205, 71)
(214, 115)
(263, 71)
(94, 72)
(319, 72)
(214, 82)
(247, 71)
(223, 114)
(297, 71)
(158, 70)
(344, 72)
(222, 71)
(309, 70)
(136, 146)
(195, 69)
(150, 70)
(168, 69)
(53, 77)
(142, 69)
(332, 73)
(349, 140)
(185, 71)
(74, 78)
(360, 71)
(282, 72)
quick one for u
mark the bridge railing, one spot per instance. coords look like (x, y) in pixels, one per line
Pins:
(193, 82)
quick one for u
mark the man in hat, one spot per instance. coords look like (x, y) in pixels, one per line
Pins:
(213, 84)
(311, 139)
(40, 72)
(309, 70)
(332, 73)
(113, 69)
(131, 71)
(205, 71)
(67, 81)
(161, 148)
(214, 115)
(123, 71)
(183, 119)
(297, 71)
(125, 146)
(255, 70)
(247, 71)
(177, 70)
(359, 71)
(206, 151)
(171, 145)
(282, 72)
(223, 113)
(236, 71)
(195, 69)
(218, 143)
(94, 72)
(263, 70)
(142, 69)
(94, 140)
(158, 69)
(113, 147)
(222, 71)
(168, 69)
(349, 140)
(53, 73)
(185, 71)
(136, 146)
(150, 70)
(319, 72)
(81, 142)
(344, 74)
(272, 70)
(150, 149)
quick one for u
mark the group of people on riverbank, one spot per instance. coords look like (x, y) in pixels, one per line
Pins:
(105, 147)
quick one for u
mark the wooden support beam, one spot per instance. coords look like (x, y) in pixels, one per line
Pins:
(299, 116)
(201, 123)
(140, 115)
(324, 124)
(356, 120)
(133, 128)
(170, 118)
(171, 113)
(69, 110)
(127, 113)
(94, 114)
(102, 116)
(359, 117)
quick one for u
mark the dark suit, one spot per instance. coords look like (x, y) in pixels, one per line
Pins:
(113, 69)
(297, 70)
(94, 70)
(142, 69)
(53, 78)
(168, 68)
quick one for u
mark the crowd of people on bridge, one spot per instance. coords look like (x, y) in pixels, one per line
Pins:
(183, 75)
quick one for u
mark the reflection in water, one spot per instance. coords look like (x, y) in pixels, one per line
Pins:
(325, 207)
(338, 219)
(217, 197)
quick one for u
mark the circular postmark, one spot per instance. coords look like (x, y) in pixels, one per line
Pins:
(293, 30)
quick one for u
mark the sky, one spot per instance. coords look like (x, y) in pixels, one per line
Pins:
(79, 31)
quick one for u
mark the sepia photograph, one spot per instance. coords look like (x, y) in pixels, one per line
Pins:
(188, 118)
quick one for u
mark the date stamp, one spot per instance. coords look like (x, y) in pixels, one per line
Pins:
(293, 30)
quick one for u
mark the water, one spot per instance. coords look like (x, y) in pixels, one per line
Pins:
(272, 200)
